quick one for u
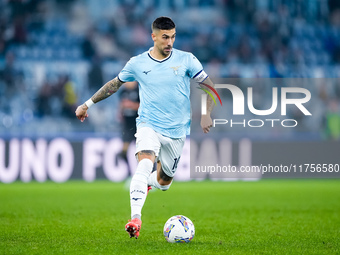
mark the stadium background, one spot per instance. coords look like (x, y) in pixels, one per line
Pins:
(55, 54)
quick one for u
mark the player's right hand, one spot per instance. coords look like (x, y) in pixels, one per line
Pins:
(81, 112)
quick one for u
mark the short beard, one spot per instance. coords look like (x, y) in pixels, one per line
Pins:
(165, 54)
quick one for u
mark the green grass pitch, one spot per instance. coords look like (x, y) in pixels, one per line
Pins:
(264, 217)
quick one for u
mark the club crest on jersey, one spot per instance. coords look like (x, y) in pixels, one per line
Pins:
(175, 68)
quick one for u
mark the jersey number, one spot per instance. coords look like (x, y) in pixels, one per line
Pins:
(175, 163)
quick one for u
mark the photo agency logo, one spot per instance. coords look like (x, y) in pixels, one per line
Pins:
(288, 97)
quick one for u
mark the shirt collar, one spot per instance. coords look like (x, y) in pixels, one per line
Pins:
(164, 59)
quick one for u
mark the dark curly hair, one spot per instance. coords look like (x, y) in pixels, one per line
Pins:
(163, 23)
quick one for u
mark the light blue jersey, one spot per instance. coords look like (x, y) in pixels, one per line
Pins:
(164, 88)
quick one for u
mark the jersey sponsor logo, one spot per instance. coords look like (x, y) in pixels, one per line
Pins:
(146, 72)
(175, 69)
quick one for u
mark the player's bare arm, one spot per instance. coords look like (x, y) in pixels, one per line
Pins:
(206, 122)
(105, 91)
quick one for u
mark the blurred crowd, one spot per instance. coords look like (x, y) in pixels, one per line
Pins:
(55, 54)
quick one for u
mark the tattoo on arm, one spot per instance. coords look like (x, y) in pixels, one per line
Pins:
(147, 152)
(210, 102)
(107, 90)
(164, 177)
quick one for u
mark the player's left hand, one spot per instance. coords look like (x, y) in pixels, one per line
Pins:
(206, 123)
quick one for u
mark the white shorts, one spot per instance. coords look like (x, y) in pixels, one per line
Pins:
(167, 150)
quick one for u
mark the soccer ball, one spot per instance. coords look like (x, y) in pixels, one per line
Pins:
(179, 229)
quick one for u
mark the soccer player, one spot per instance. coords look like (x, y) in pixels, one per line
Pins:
(163, 74)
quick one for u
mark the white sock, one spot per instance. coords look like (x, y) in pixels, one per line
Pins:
(152, 181)
(139, 187)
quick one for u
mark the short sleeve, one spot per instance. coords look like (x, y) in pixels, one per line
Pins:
(127, 73)
(194, 66)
